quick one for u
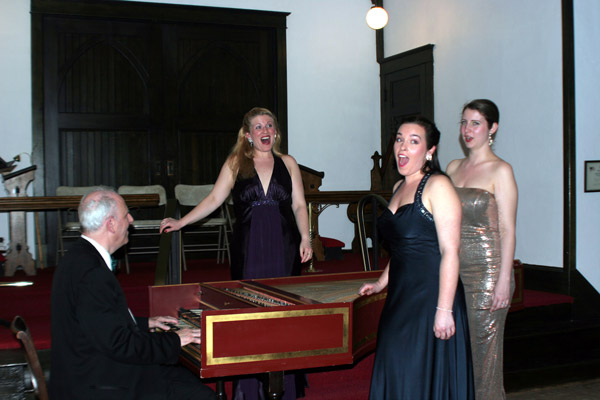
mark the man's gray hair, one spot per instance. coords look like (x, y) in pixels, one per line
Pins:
(93, 212)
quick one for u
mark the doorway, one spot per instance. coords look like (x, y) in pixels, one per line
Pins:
(406, 89)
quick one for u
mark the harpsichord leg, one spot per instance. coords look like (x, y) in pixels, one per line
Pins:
(220, 390)
(275, 385)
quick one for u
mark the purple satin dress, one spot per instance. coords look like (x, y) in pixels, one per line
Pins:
(265, 244)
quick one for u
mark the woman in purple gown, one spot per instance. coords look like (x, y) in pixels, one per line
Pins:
(270, 236)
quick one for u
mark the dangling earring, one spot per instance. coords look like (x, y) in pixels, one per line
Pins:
(490, 139)
(428, 157)
(251, 142)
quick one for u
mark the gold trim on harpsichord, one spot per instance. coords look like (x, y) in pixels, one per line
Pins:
(360, 343)
(213, 319)
(369, 299)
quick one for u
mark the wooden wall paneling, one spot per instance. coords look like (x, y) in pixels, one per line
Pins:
(221, 74)
(141, 93)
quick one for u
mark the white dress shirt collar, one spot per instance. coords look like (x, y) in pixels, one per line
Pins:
(103, 252)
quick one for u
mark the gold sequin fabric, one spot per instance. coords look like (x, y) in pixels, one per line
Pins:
(479, 270)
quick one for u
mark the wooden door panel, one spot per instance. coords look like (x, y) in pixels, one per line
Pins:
(407, 89)
(104, 157)
(219, 85)
(196, 167)
(101, 76)
(98, 103)
(400, 84)
(406, 95)
(134, 93)
(221, 73)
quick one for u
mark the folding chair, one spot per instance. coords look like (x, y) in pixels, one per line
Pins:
(142, 228)
(214, 225)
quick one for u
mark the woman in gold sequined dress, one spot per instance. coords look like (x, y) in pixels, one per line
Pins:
(488, 192)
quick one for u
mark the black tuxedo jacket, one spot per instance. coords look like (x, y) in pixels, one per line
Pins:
(98, 350)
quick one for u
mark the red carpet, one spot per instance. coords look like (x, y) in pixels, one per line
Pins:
(347, 382)
(535, 298)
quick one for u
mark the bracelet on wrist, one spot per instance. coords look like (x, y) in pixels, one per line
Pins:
(443, 309)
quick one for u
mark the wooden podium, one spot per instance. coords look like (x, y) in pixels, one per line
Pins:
(18, 252)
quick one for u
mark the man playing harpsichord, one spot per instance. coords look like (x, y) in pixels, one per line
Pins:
(99, 349)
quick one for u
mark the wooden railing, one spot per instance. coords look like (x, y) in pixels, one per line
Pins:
(39, 203)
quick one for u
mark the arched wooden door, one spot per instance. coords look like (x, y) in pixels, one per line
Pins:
(138, 94)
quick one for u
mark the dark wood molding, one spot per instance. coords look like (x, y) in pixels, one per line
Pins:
(36, 203)
(420, 62)
(586, 296)
(282, 114)
(569, 156)
(545, 278)
(157, 11)
(418, 55)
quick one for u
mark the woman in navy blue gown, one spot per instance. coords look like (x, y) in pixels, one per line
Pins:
(423, 350)
(270, 236)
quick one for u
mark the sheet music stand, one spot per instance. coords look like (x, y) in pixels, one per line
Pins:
(18, 253)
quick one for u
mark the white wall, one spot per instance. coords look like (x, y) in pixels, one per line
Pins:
(15, 95)
(510, 52)
(587, 65)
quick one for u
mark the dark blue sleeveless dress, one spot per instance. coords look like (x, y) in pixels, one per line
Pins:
(410, 362)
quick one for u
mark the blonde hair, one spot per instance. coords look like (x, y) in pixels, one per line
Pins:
(242, 154)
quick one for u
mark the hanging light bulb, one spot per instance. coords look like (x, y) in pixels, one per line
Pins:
(377, 18)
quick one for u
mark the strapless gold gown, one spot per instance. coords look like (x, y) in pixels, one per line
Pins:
(479, 270)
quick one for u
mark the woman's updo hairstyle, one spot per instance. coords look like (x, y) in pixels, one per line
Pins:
(485, 107)
(432, 138)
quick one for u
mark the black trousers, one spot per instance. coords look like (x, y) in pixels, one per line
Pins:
(183, 385)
